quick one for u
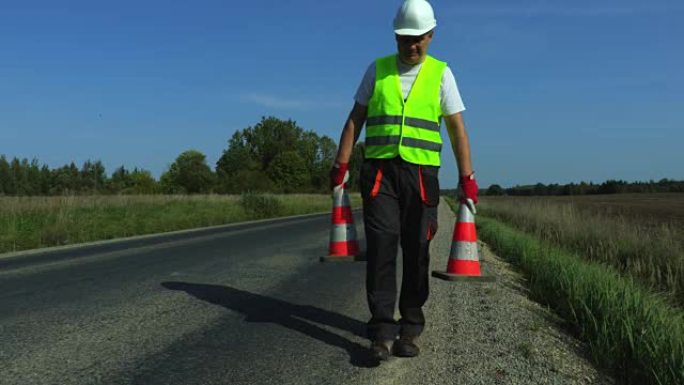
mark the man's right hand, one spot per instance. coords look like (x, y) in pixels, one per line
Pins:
(337, 173)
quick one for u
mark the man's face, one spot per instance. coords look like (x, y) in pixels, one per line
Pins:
(412, 49)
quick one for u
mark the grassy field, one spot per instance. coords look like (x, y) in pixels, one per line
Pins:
(661, 208)
(641, 235)
(633, 333)
(33, 222)
(631, 329)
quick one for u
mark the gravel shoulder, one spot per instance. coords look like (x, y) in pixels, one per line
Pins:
(488, 333)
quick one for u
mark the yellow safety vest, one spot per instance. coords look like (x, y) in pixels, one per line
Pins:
(407, 128)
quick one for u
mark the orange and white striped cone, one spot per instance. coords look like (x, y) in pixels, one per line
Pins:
(343, 243)
(464, 259)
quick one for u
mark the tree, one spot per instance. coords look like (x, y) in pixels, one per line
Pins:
(65, 180)
(236, 159)
(168, 184)
(34, 177)
(291, 159)
(288, 171)
(611, 187)
(92, 177)
(7, 185)
(495, 190)
(320, 175)
(18, 170)
(119, 181)
(189, 174)
(45, 180)
(272, 136)
(142, 182)
(539, 189)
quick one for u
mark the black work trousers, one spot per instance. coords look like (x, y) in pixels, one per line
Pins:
(399, 205)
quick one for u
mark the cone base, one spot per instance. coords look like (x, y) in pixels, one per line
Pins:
(461, 267)
(344, 248)
(360, 257)
(464, 278)
(338, 258)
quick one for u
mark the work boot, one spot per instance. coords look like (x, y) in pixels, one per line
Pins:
(380, 349)
(406, 347)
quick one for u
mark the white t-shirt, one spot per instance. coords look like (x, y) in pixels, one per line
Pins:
(449, 97)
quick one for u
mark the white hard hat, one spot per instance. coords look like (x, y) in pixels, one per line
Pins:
(414, 18)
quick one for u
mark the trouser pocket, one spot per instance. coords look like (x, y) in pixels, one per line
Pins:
(429, 195)
(371, 179)
(429, 185)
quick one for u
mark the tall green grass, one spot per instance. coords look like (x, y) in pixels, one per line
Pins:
(33, 222)
(651, 252)
(629, 330)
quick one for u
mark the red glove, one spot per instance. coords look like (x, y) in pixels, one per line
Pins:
(337, 174)
(468, 188)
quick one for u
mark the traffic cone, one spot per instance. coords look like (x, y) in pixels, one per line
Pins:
(464, 259)
(343, 243)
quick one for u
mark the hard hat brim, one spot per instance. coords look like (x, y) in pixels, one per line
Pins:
(414, 32)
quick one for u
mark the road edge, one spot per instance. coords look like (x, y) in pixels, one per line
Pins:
(57, 253)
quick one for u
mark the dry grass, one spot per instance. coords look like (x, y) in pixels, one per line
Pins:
(23, 204)
(33, 222)
(631, 332)
(650, 209)
(628, 238)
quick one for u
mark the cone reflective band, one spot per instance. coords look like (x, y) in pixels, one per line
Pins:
(341, 213)
(464, 258)
(343, 243)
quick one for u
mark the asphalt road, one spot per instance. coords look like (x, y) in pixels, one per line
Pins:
(253, 305)
(246, 306)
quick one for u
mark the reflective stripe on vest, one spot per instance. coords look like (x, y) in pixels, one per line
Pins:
(410, 128)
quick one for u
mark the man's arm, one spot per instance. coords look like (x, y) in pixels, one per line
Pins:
(351, 132)
(459, 143)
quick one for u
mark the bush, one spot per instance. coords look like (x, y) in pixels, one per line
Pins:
(259, 206)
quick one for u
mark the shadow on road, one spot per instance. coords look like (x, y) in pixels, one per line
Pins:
(259, 308)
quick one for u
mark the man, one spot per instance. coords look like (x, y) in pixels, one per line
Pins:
(402, 100)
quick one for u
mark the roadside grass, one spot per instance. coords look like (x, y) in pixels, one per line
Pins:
(631, 331)
(652, 252)
(34, 222)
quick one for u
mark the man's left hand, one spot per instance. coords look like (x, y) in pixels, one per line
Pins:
(469, 188)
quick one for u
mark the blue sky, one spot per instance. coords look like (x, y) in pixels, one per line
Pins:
(556, 91)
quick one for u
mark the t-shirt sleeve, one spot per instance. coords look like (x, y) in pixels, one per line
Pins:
(450, 98)
(365, 90)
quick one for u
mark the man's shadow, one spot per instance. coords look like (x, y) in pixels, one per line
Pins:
(258, 308)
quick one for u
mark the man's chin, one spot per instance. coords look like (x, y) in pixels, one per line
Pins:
(412, 60)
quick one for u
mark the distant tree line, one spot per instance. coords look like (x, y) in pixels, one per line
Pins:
(273, 156)
(583, 188)
(21, 177)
